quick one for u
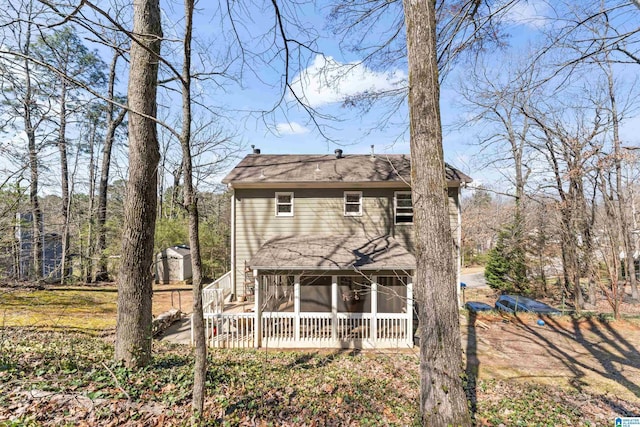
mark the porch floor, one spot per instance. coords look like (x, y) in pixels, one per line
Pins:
(239, 307)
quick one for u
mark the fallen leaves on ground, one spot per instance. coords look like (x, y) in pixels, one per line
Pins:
(53, 378)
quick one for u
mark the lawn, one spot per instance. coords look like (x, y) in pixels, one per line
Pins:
(80, 308)
(56, 368)
(93, 311)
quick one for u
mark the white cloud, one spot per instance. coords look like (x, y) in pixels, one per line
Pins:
(327, 81)
(291, 128)
(530, 13)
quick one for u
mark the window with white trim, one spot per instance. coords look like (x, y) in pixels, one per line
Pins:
(284, 204)
(352, 203)
(403, 207)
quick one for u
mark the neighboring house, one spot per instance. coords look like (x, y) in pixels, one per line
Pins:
(324, 245)
(51, 249)
(173, 264)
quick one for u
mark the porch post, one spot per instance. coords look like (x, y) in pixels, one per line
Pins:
(296, 308)
(257, 338)
(410, 311)
(234, 273)
(459, 248)
(374, 310)
(334, 308)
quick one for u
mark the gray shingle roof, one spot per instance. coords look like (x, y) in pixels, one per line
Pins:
(289, 168)
(332, 252)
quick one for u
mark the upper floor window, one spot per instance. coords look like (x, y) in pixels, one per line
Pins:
(284, 204)
(353, 203)
(403, 207)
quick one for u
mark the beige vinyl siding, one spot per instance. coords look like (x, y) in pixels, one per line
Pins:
(453, 220)
(404, 232)
(316, 211)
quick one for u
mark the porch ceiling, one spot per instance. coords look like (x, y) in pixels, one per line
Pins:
(333, 252)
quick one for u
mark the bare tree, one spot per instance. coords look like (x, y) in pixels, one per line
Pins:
(598, 38)
(605, 62)
(114, 118)
(133, 328)
(191, 205)
(568, 139)
(494, 98)
(609, 247)
(442, 399)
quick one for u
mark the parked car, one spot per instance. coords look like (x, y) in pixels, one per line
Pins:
(513, 303)
(477, 306)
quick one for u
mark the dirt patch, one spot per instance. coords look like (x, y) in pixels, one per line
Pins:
(583, 354)
(164, 300)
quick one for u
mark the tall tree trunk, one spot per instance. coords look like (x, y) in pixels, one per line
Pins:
(623, 219)
(100, 272)
(567, 205)
(64, 172)
(36, 213)
(588, 242)
(133, 328)
(191, 204)
(175, 191)
(442, 398)
(614, 293)
(87, 264)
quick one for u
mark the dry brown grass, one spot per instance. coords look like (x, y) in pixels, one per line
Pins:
(81, 308)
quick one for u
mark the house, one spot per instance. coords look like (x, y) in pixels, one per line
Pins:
(51, 256)
(322, 246)
(173, 264)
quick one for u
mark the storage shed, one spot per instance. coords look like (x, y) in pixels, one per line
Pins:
(173, 264)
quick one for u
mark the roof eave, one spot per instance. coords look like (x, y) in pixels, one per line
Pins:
(328, 184)
(320, 268)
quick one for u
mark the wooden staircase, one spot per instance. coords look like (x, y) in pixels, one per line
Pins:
(249, 283)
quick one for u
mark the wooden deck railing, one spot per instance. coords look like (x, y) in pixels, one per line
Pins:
(214, 294)
(230, 330)
(309, 330)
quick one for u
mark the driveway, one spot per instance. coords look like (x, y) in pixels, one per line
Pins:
(474, 280)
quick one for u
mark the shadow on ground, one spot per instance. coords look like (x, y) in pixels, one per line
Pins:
(583, 354)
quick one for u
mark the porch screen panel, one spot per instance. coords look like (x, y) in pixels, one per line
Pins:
(315, 294)
(354, 294)
(277, 293)
(392, 294)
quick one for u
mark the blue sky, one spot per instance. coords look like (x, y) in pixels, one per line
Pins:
(289, 128)
(291, 131)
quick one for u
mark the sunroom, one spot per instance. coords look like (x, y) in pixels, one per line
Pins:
(327, 291)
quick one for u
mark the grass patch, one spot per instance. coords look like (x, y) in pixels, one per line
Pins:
(65, 309)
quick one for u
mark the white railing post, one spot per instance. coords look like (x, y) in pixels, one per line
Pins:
(257, 327)
(374, 310)
(296, 308)
(334, 308)
(410, 311)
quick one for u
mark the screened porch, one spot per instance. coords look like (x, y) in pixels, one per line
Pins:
(345, 310)
(335, 290)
